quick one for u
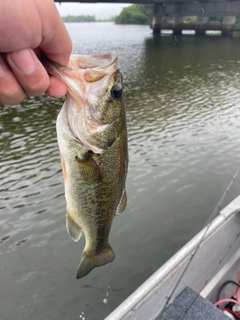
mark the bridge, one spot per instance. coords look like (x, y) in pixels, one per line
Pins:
(169, 14)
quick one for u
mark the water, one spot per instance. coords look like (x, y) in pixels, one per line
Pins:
(182, 97)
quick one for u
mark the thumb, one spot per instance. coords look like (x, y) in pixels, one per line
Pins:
(56, 42)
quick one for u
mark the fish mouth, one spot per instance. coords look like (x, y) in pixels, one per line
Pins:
(94, 67)
(100, 61)
(84, 74)
(91, 67)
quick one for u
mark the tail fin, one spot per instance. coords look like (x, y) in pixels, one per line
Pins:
(90, 261)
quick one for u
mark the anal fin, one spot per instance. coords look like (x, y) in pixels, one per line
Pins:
(74, 230)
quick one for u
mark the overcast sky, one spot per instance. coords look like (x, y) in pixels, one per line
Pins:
(99, 10)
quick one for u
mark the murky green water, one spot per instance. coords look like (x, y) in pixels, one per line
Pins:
(183, 111)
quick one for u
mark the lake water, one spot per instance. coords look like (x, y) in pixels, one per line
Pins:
(183, 111)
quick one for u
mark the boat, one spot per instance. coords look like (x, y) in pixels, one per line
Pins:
(198, 282)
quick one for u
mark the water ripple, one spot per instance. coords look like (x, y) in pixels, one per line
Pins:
(182, 102)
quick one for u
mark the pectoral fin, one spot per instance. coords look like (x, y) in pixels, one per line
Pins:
(89, 169)
(74, 230)
(122, 204)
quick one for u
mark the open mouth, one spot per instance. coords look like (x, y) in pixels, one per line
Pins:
(84, 72)
(100, 61)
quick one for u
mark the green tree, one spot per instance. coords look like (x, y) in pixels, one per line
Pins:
(189, 19)
(134, 14)
(215, 20)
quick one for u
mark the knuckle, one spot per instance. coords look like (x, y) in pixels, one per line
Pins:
(36, 88)
(11, 93)
(12, 98)
(36, 84)
(10, 90)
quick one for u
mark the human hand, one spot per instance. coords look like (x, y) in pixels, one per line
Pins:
(27, 28)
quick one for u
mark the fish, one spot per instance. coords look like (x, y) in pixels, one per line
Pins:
(92, 138)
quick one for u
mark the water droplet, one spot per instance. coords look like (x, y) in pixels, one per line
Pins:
(83, 318)
(108, 287)
(107, 294)
(105, 301)
(80, 316)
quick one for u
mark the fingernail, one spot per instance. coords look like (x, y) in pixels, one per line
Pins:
(23, 60)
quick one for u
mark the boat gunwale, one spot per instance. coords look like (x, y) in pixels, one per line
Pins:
(148, 287)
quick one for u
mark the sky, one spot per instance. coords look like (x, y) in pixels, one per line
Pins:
(99, 10)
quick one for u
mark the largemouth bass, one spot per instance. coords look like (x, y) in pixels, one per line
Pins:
(92, 138)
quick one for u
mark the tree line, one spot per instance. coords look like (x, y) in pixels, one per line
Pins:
(81, 18)
(134, 14)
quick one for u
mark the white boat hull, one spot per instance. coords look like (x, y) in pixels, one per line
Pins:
(218, 250)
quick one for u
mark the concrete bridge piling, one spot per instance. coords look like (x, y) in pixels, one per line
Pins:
(161, 12)
(200, 25)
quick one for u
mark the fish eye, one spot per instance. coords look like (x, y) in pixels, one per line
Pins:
(116, 92)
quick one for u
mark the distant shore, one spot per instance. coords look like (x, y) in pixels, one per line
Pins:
(85, 19)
